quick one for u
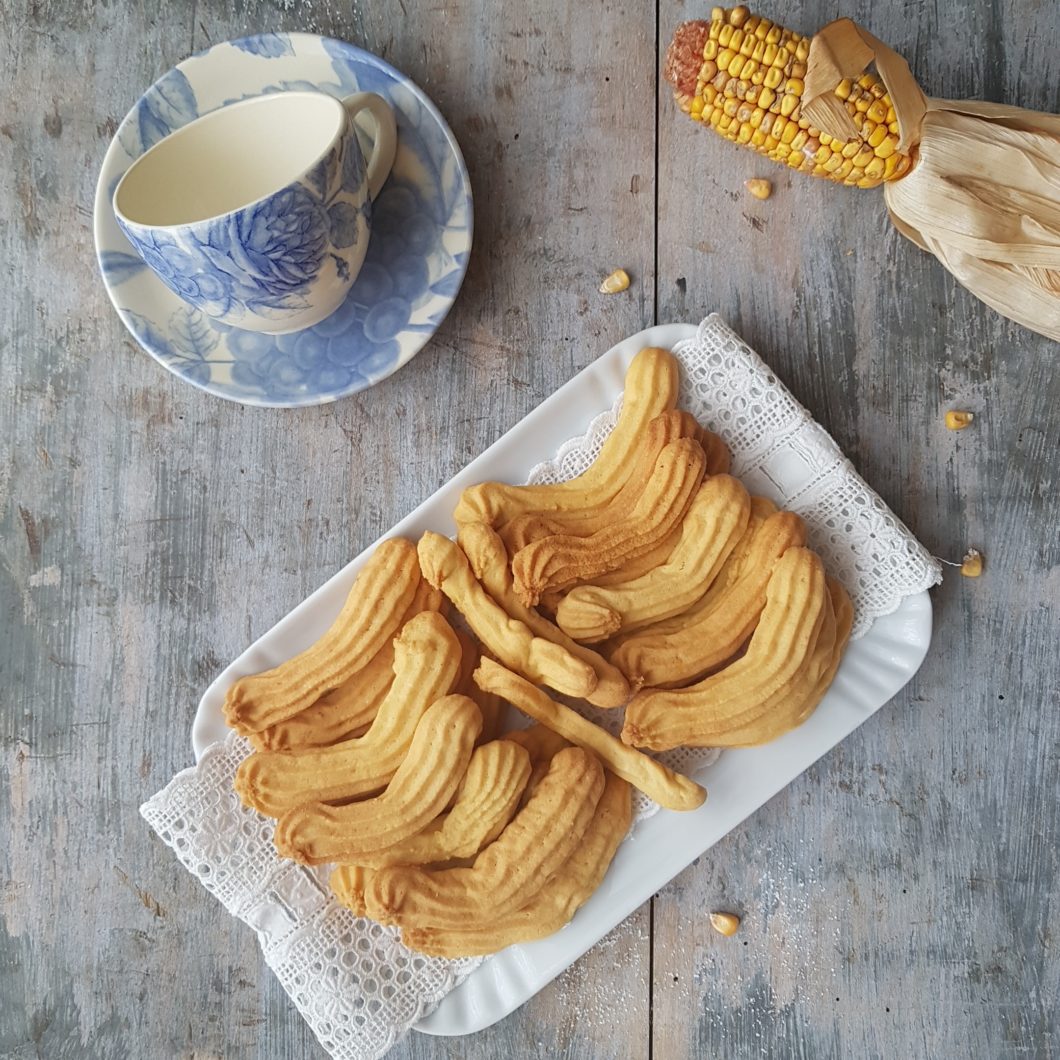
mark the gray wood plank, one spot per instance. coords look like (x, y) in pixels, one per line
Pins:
(150, 531)
(898, 897)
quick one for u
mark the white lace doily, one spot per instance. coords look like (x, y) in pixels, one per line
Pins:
(779, 452)
(354, 982)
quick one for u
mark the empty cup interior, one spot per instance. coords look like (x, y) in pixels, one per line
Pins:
(229, 158)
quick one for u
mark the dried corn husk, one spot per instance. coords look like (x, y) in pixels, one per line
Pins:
(984, 194)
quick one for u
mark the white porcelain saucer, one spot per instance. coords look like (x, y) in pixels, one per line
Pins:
(417, 256)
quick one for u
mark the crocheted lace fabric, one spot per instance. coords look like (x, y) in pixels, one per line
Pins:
(354, 982)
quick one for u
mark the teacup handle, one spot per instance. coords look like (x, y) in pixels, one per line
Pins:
(385, 146)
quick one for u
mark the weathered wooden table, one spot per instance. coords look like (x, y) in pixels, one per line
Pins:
(899, 899)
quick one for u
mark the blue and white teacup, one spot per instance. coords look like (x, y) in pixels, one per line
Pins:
(259, 213)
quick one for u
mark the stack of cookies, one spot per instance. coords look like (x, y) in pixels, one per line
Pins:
(651, 581)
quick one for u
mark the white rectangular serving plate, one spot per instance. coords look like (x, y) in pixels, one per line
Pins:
(874, 668)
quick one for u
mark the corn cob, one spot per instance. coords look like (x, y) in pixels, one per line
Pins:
(743, 76)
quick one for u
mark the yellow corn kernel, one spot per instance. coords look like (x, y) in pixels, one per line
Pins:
(758, 139)
(759, 188)
(725, 56)
(710, 49)
(774, 35)
(739, 15)
(875, 169)
(957, 420)
(725, 923)
(972, 563)
(888, 147)
(794, 87)
(877, 111)
(842, 90)
(725, 35)
(745, 134)
(863, 157)
(877, 136)
(736, 65)
(766, 97)
(617, 281)
(788, 105)
(789, 134)
(736, 40)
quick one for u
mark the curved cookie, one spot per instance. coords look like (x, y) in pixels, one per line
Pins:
(438, 757)
(556, 903)
(377, 601)
(354, 704)
(794, 705)
(582, 521)
(446, 567)
(663, 785)
(650, 388)
(487, 798)
(713, 525)
(713, 634)
(556, 562)
(700, 715)
(485, 552)
(426, 664)
(512, 869)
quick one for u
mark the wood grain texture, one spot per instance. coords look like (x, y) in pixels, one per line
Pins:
(897, 898)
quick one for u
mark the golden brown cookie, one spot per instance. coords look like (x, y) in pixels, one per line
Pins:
(556, 903)
(563, 560)
(710, 636)
(542, 744)
(489, 561)
(352, 706)
(446, 567)
(512, 869)
(582, 521)
(485, 802)
(663, 785)
(700, 715)
(714, 523)
(426, 665)
(491, 707)
(651, 387)
(377, 602)
(792, 706)
(426, 780)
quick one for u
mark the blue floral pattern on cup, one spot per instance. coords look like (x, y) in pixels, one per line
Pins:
(416, 258)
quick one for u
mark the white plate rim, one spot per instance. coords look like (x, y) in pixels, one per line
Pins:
(875, 668)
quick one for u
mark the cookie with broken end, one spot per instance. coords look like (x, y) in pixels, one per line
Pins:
(741, 693)
(352, 706)
(489, 561)
(702, 638)
(554, 904)
(651, 387)
(426, 665)
(446, 567)
(377, 602)
(437, 760)
(512, 869)
(560, 561)
(714, 523)
(669, 789)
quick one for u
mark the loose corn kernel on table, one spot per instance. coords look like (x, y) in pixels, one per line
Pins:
(895, 901)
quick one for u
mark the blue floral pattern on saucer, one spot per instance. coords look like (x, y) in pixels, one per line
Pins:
(417, 254)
